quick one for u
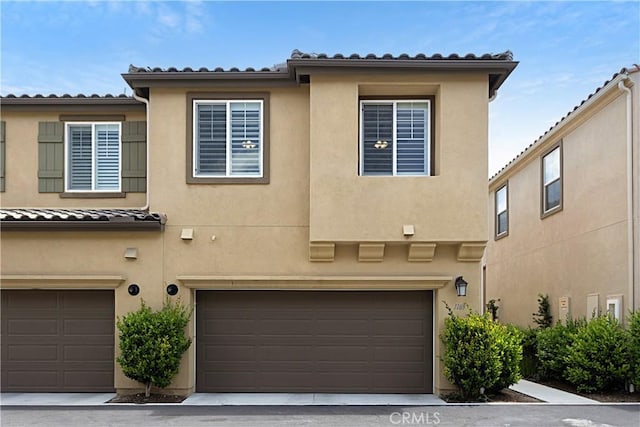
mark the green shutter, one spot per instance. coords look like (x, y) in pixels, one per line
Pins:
(50, 157)
(2, 155)
(134, 157)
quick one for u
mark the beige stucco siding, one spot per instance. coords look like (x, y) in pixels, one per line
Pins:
(21, 175)
(282, 202)
(444, 207)
(580, 250)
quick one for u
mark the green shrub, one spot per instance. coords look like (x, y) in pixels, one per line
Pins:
(598, 357)
(551, 348)
(509, 344)
(530, 366)
(634, 348)
(543, 317)
(480, 354)
(152, 343)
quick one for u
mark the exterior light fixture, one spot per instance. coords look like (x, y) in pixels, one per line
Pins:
(172, 289)
(248, 144)
(133, 289)
(380, 144)
(461, 286)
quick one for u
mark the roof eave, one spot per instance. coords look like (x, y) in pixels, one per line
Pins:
(498, 70)
(61, 100)
(182, 78)
(81, 226)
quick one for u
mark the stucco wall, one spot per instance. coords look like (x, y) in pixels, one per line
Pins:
(264, 230)
(21, 174)
(580, 250)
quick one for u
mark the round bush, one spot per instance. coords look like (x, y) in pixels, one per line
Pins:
(480, 354)
(598, 357)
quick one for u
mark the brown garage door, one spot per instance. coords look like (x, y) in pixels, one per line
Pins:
(308, 341)
(57, 341)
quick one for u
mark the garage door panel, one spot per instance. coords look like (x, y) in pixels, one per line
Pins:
(399, 354)
(230, 353)
(85, 301)
(88, 327)
(34, 327)
(230, 326)
(395, 326)
(32, 352)
(293, 341)
(30, 300)
(97, 353)
(25, 379)
(57, 340)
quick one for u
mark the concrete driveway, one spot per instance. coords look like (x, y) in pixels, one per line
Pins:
(484, 415)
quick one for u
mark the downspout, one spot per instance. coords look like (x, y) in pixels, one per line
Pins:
(630, 225)
(146, 103)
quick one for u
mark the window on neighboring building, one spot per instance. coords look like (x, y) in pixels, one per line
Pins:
(228, 138)
(502, 211)
(552, 181)
(93, 156)
(614, 307)
(395, 137)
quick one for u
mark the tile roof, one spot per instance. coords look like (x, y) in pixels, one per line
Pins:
(66, 95)
(505, 56)
(80, 218)
(623, 71)
(298, 55)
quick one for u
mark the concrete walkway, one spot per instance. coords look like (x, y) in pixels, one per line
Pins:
(549, 394)
(540, 392)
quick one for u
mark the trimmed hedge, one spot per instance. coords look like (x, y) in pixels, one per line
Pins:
(480, 355)
(634, 348)
(152, 343)
(598, 357)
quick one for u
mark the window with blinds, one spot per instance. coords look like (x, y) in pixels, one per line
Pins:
(93, 156)
(228, 140)
(395, 137)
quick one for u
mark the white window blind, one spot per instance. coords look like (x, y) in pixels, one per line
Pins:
(394, 138)
(93, 157)
(80, 158)
(107, 175)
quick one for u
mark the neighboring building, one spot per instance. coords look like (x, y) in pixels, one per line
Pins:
(316, 214)
(564, 213)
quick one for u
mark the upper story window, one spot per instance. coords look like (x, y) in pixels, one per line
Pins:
(93, 156)
(502, 211)
(395, 137)
(228, 138)
(552, 181)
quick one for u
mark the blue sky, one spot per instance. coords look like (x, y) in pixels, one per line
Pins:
(566, 49)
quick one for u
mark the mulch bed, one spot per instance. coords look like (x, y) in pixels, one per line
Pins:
(505, 395)
(613, 396)
(153, 398)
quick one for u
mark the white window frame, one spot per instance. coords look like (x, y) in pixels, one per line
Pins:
(67, 162)
(195, 148)
(505, 188)
(394, 144)
(614, 307)
(544, 209)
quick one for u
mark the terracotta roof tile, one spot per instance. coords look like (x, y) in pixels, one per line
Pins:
(102, 217)
(297, 55)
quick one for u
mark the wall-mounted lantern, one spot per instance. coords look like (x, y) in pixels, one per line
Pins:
(461, 286)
